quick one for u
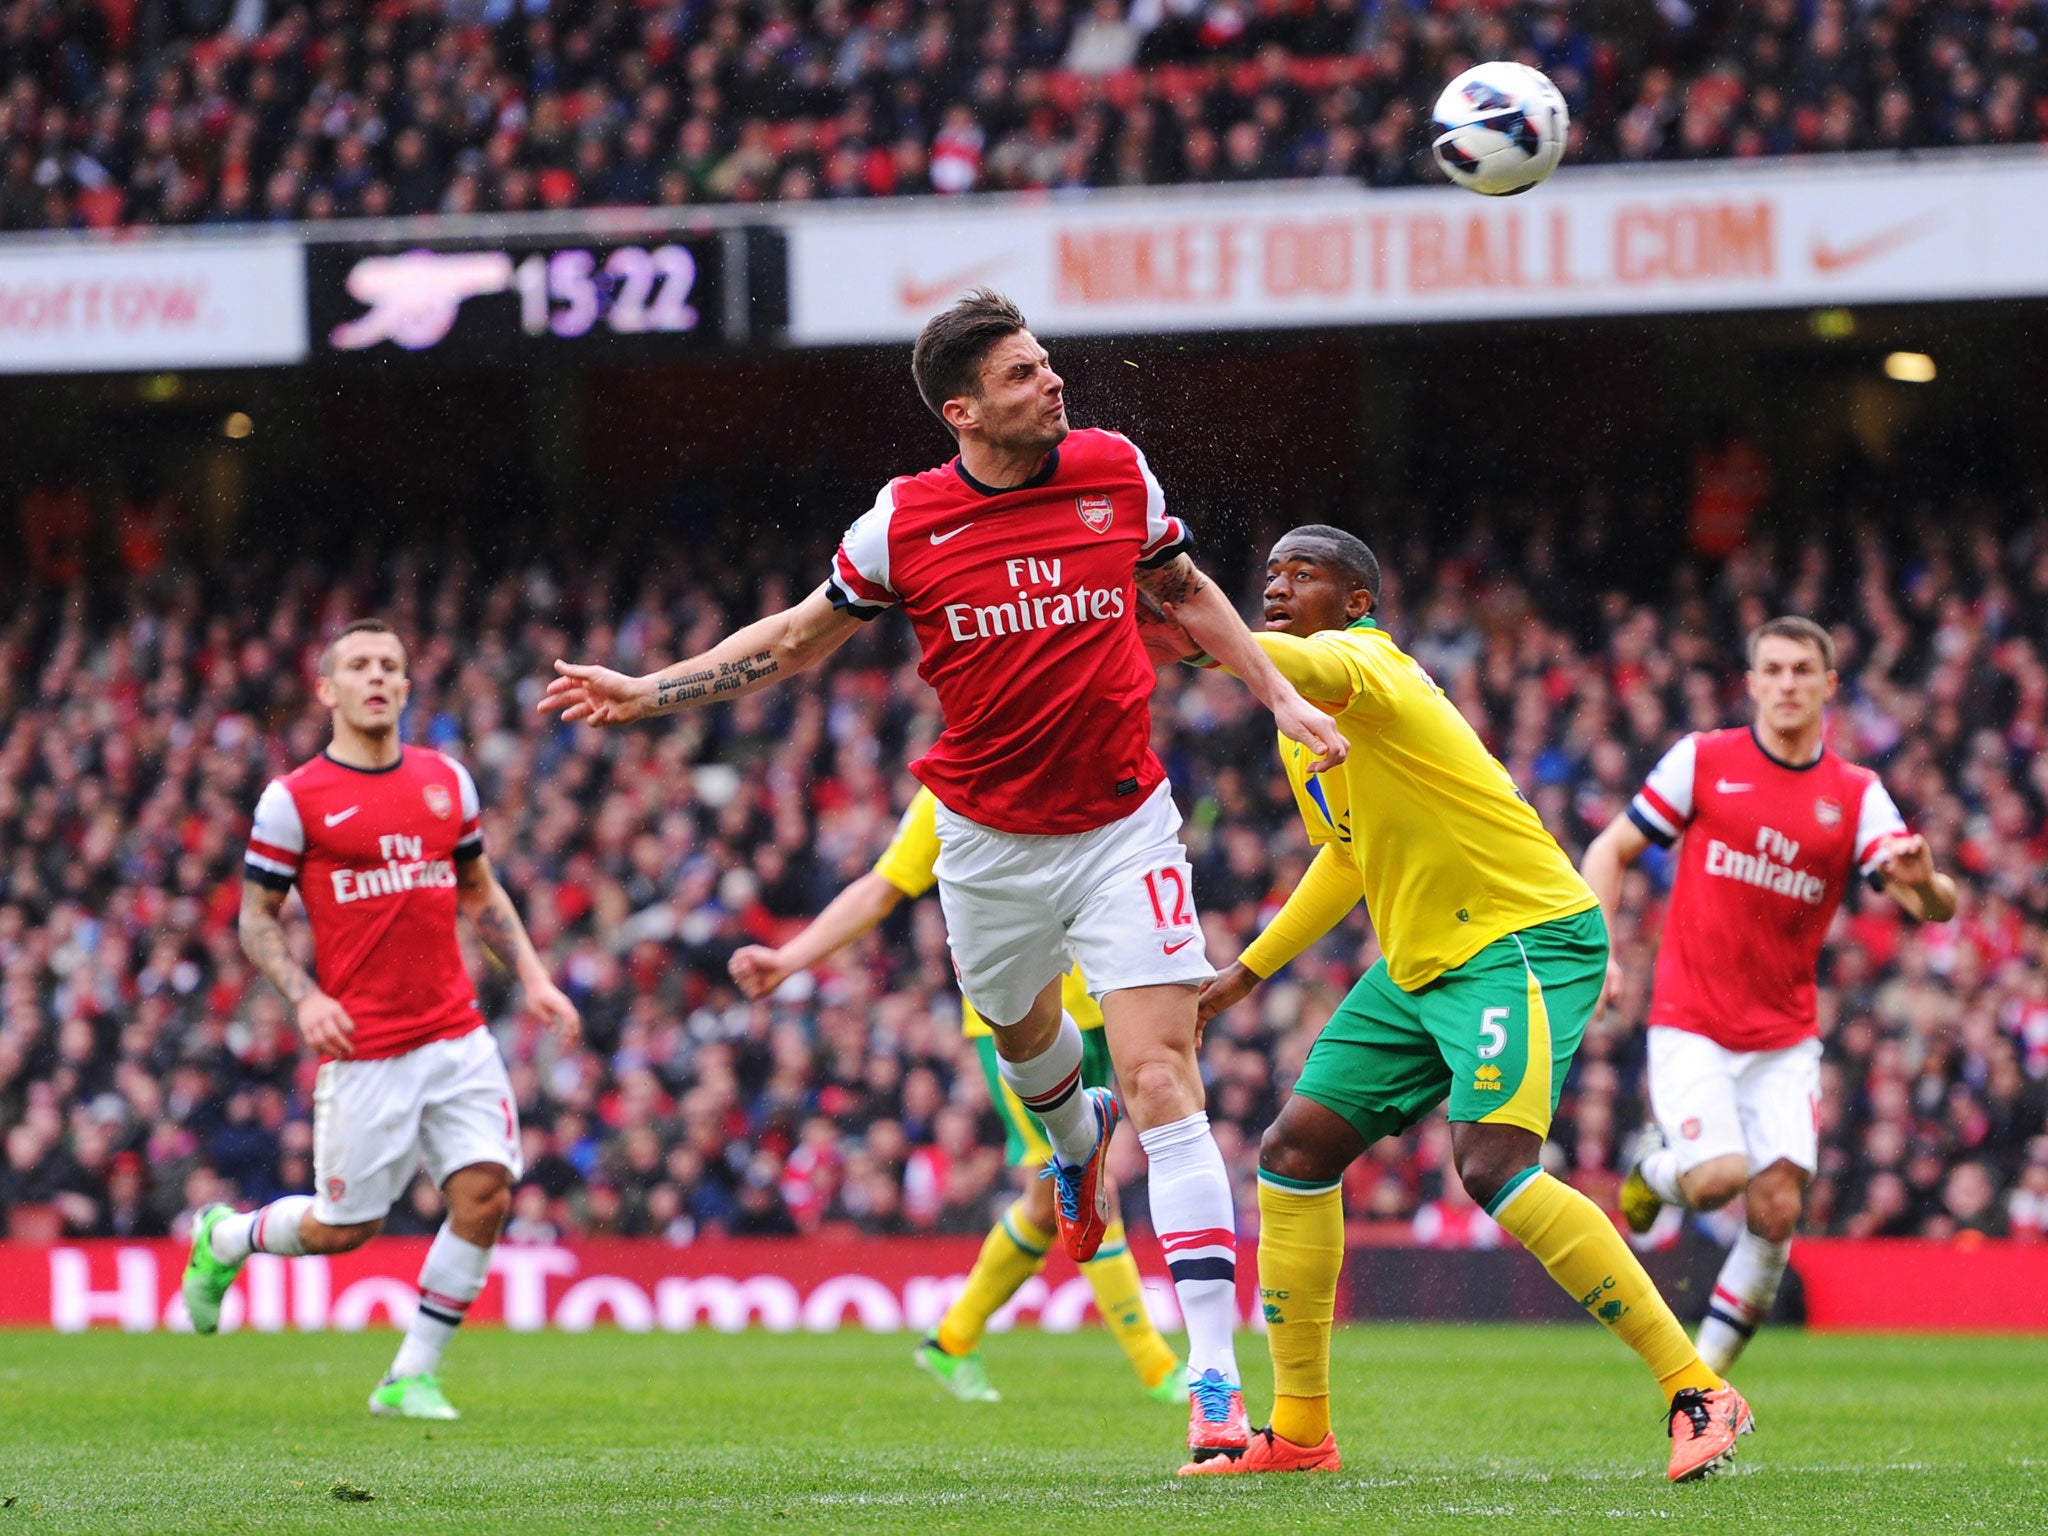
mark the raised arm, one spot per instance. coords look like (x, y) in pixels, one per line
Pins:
(1911, 880)
(488, 906)
(853, 912)
(1198, 606)
(323, 1023)
(766, 651)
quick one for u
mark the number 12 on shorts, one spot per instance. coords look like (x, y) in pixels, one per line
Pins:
(1168, 889)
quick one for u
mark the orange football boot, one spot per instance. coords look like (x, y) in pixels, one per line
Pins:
(1269, 1453)
(1704, 1426)
(1083, 1188)
(1218, 1427)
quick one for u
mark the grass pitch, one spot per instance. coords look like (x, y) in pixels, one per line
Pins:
(1443, 1429)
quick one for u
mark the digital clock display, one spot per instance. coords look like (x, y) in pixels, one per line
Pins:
(532, 298)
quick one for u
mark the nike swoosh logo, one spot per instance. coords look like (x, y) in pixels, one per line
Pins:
(1174, 949)
(940, 538)
(1832, 258)
(1732, 789)
(912, 294)
(340, 816)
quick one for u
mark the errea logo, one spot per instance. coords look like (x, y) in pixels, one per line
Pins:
(1486, 1080)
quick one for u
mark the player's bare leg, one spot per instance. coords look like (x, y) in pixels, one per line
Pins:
(1573, 1239)
(223, 1239)
(1748, 1282)
(1151, 1033)
(1302, 1159)
(479, 1197)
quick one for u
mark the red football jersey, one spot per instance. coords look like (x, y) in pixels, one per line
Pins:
(1025, 604)
(1768, 854)
(373, 853)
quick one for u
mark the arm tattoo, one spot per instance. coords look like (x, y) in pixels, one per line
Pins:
(497, 924)
(709, 682)
(264, 942)
(1174, 582)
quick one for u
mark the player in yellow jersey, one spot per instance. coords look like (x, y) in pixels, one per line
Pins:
(1495, 954)
(1016, 1246)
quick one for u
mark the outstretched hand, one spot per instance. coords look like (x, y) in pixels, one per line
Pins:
(594, 695)
(1301, 721)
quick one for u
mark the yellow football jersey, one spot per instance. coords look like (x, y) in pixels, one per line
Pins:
(911, 864)
(1421, 820)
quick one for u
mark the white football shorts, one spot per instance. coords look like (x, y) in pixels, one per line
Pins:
(1713, 1102)
(447, 1104)
(1022, 910)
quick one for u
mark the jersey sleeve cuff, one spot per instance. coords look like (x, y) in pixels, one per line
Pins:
(470, 851)
(269, 879)
(1650, 829)
(844, 600)
(1178, 541)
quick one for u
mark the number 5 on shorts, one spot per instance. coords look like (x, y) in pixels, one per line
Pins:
(1493, 1033)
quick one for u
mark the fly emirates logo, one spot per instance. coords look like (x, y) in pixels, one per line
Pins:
(402, 870)
(1034, 610)
(1770, 868)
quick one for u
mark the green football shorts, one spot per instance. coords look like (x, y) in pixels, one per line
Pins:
(1024, 1144)
(1495, 1035)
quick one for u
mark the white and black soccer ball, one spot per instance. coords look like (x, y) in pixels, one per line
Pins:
(1500, 128)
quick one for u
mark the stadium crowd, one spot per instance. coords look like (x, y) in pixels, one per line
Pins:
(230, 111)
(145, 1070)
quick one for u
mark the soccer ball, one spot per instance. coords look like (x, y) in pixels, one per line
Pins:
(1500, 128)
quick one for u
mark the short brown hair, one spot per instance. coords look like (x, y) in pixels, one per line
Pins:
(1793, 628)
(329, 656)
(946, 362)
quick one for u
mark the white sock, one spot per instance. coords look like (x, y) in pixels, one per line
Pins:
(1049, 1085)
(449, 1281)
(1660, 1172)
(1197, 1225)
(273, 1229)
(1743, 1293)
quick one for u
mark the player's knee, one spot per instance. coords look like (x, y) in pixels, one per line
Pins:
(1284, 1156)
(321, 1238)
(1484, 1177)
(1160, 1089)
(1773, 1203)
(481, 1210)
(1714, 1183)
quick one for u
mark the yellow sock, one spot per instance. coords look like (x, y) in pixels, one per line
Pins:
(1576, 1242)
(1013, 1252)
(1120, 1298)
(1301, 1252)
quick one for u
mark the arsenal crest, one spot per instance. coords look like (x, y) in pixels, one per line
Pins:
(1691, 1129)
(1095, 512)
(1827, 812)
(439, 801)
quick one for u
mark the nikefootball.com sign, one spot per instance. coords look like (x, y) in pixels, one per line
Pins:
(76, 308)
(1598, 243)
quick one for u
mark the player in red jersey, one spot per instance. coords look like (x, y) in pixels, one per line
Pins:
(383, 842)
(1020, 564)
(1774, 827)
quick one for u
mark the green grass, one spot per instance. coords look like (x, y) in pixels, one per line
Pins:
(1443, 1429)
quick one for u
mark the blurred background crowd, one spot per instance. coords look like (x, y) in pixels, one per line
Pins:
(120, 112)
(147, 695)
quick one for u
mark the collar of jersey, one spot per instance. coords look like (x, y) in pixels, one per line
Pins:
(1364, 623)
(1052, 467)
(352, 768)
(1769, 756)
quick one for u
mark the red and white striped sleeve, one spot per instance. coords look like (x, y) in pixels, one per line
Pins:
(1878, 825)
(469, 843)
(859, 583)
(1663, 806)
(1165, 535)
(277, 842)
